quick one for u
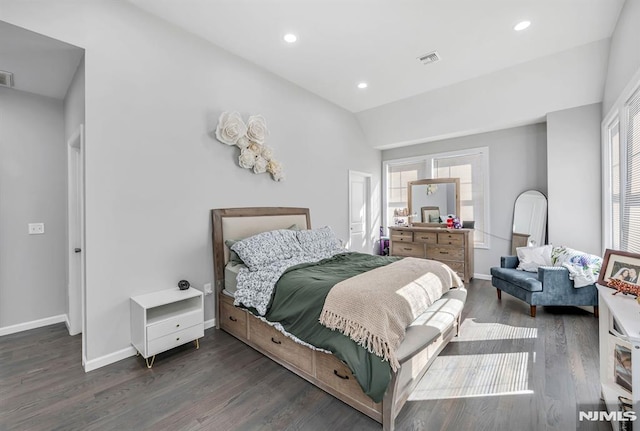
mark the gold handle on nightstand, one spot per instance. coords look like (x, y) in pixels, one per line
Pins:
(233, 319)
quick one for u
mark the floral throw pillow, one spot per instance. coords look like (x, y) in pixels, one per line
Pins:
(267, 247)
(320, 242)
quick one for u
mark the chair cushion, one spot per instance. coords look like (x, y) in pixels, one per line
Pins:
(522, 279)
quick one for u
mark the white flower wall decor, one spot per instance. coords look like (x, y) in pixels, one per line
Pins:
(250, 139)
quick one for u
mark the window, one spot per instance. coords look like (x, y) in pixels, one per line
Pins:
(621, 161)
(470, 166)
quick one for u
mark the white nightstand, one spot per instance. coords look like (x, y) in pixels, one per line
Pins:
(166, 319)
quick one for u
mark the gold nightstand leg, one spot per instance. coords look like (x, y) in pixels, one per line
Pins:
(149, 365)
(197, 341)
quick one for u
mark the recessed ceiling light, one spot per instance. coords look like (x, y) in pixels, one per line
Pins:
(290, 37)
(363, 85)
(522, 25)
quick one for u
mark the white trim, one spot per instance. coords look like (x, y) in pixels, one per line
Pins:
(19, 327)
(111, 358)
(210, 323)
(482, 276)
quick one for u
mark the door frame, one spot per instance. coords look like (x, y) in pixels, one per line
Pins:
(76, 295)
(368, 179)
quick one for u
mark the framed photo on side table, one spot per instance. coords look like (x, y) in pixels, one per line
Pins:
(621, 271)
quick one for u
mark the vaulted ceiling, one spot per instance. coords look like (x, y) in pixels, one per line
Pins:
(341, 43)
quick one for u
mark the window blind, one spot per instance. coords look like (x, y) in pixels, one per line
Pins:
(631, 203)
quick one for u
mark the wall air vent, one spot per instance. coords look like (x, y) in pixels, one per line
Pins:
(6, 79)
(429, 58)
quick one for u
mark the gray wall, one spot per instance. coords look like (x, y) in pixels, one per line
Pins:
(517, 162)
(574, 175)
(32, 189)
(153, 171)
(624, 54)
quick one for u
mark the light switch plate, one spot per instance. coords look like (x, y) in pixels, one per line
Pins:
(36, 228)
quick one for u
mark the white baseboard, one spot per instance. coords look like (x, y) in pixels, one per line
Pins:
(6, 330)
(210, 323)
(482, 276)
(94, 364)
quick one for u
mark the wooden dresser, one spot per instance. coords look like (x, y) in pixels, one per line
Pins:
(451, 246)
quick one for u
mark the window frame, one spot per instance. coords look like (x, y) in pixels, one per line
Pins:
(428, 160)
(619, 113)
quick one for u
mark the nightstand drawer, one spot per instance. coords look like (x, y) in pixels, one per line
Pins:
(409, 249)
(176, 339)
(445, 253)
(451, 239)
(174, 324)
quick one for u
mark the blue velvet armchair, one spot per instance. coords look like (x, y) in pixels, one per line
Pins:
(550, 286)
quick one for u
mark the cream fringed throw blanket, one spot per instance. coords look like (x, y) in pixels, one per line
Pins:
(375, 308)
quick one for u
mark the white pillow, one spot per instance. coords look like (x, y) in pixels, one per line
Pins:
(532, 257)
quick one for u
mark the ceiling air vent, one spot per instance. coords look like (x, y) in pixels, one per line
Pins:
(6, 79)
(429, 58)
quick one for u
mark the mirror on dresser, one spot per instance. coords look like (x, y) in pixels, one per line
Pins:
(431, 200)
(529, 220)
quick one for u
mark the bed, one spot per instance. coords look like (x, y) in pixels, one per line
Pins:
(331, 372)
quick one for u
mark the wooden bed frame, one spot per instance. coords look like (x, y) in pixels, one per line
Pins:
(418, 350)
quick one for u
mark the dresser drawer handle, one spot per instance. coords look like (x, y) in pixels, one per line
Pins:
(273, 340)
(178, 339)
(340, 375)
(233, 319)
(177, 325)
(444, 252)
(407, 248)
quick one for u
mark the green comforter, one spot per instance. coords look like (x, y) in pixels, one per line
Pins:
(298, 300)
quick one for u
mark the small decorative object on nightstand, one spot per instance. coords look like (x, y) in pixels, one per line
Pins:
(166, 319)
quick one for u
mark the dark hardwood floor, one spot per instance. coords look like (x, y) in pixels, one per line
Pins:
(507, 371)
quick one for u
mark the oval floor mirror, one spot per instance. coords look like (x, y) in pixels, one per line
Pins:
(529, 220)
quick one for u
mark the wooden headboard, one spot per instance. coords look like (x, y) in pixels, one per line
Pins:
(239, 223)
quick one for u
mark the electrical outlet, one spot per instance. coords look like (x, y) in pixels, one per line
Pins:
(36, 228)
(207, 289)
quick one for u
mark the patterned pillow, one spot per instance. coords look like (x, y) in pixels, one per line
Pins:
(267, 247)
(319, 242)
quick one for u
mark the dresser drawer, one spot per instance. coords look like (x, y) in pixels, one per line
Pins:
(428, 237)
(409, 249)
(174, 324)
(273, 341)
(175, 339)
(233, 319)
(334, 373)
(458, 267)
(445, 253)
(451, 239)
(401, 235)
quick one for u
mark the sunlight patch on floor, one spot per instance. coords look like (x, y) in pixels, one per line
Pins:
(470, 330)
(462, 376)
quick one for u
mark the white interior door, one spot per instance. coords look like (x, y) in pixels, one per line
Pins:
(76, 284)
(360, 212)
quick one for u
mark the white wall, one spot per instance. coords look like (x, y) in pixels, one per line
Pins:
(153, 172)
(522, 94)
(624, 55)
(574, 175)
(32, 189)
(517, 162)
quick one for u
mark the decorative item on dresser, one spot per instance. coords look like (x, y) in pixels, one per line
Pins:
(166, 319)
(453, 247)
